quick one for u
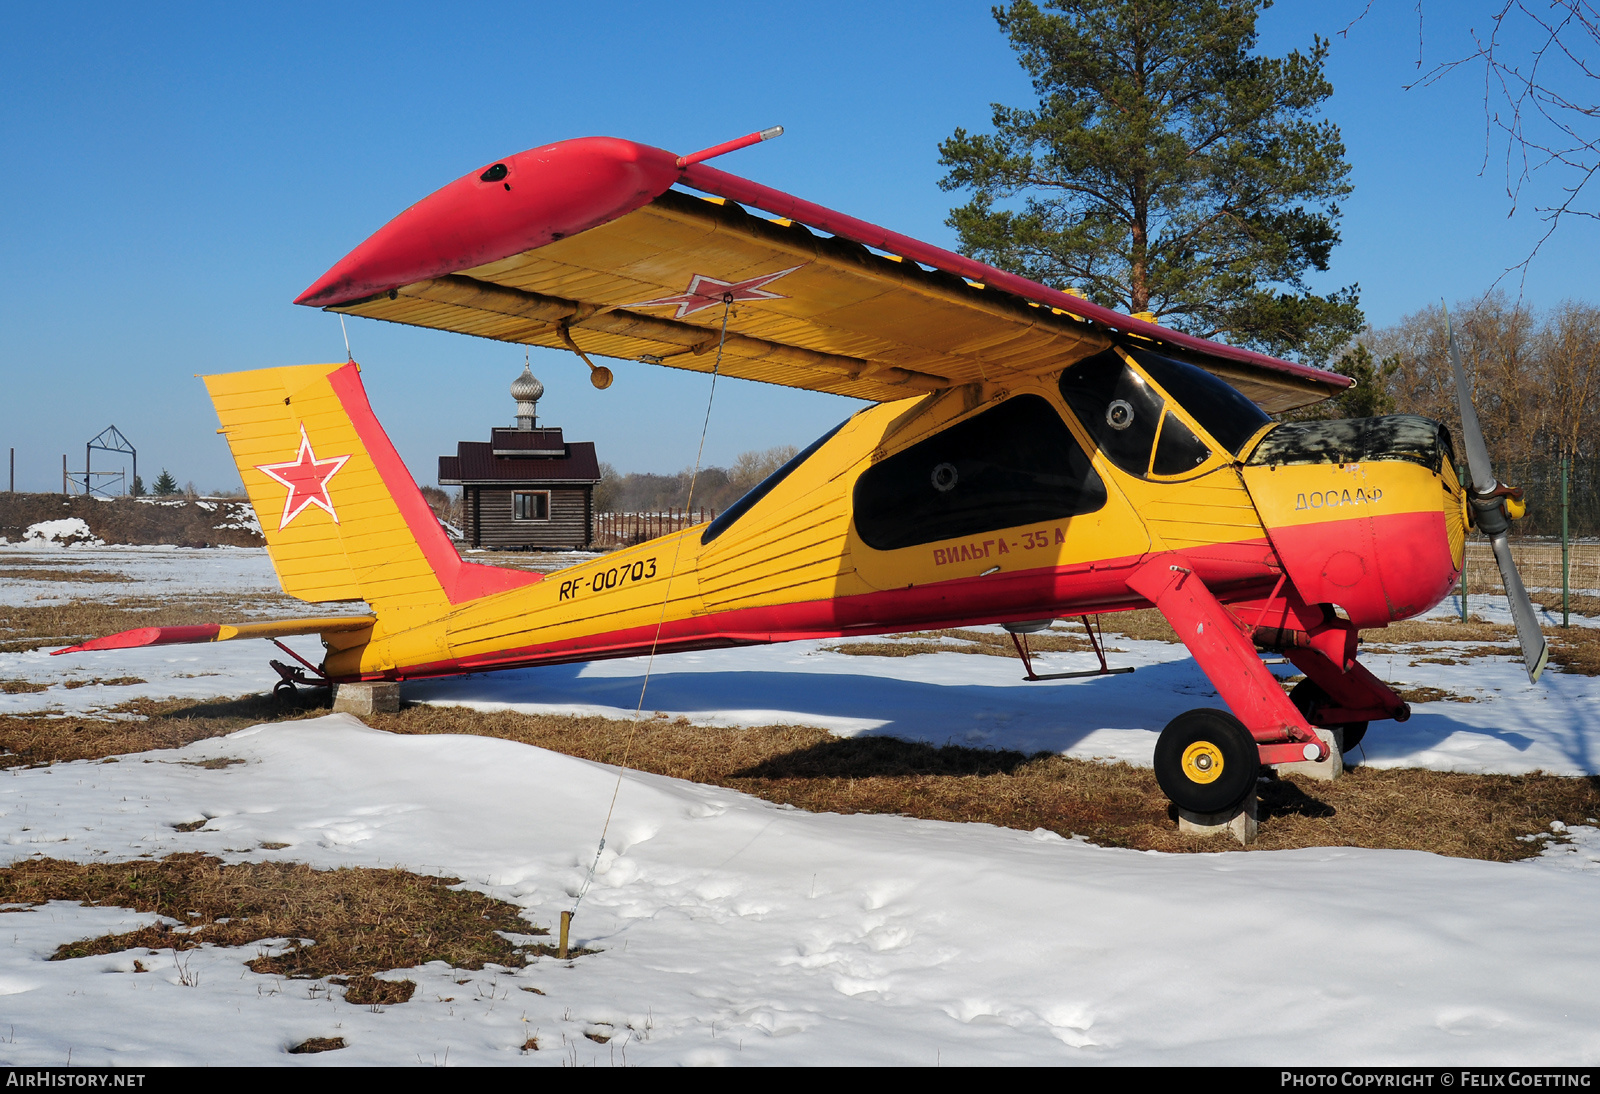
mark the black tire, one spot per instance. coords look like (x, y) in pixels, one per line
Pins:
(1308, 697)
(1206, 761)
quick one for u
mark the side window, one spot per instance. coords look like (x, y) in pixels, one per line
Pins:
(1014, 464)
(1118, 408)
(1178, 450)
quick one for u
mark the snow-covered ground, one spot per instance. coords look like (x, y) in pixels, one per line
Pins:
(735, 931)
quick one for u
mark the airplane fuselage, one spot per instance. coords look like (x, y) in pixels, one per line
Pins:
(988, 504)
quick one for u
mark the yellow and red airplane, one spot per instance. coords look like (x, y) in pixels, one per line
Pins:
(1030, 456)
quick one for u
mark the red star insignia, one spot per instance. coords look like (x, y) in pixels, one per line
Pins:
(307, 479)
(705, 291)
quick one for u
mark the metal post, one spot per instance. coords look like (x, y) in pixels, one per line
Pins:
(1461, 476)
(13, 488)
(88, 471)
(63, 473)
(1566, 554)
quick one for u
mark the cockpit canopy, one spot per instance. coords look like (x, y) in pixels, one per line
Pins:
(1408, 437)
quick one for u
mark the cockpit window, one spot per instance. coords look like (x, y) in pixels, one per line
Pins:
(1118, 408)
(1016, 463)
(1221, 409)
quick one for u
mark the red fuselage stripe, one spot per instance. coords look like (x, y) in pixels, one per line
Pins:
(1083, 589)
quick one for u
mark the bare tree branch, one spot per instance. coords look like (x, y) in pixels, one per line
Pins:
(1542, 99)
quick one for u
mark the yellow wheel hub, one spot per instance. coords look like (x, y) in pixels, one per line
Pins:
(1202, 762)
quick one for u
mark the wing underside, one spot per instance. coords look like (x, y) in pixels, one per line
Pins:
(803, 309)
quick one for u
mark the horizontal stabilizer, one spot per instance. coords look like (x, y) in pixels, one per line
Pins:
(221, 632)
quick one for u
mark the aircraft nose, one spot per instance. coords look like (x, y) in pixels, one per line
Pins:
(1364, 514)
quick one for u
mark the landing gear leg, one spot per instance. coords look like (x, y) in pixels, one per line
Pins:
(1228, 657)
(1263, 726)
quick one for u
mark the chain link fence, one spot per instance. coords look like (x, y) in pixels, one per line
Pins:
(1541, 484)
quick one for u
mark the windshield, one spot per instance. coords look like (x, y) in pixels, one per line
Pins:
(1221, 410)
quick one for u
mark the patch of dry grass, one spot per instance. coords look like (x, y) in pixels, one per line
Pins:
(22, 687)
(1434, 695)
(141, 725)
(359, 921)
(1144, 625)
(12, 572)
(1415, 631)
(113, 682)
(30, 627)
(1575, 649)
(318, 1044)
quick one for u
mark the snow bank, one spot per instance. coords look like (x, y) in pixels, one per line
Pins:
(67, 532)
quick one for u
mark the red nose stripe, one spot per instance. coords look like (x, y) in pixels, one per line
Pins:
(1377, 568)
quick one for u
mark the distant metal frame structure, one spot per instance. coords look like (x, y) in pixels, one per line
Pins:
(109, 439)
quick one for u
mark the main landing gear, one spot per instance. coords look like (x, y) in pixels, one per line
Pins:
(1206, 761)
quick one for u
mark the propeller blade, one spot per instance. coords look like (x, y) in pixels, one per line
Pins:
(1478, 466)
(1535, 652)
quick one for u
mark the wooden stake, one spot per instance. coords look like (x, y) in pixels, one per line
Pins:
(566, 925)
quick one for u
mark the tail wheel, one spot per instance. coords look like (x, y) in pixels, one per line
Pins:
(1206, 761)
(1308, 698)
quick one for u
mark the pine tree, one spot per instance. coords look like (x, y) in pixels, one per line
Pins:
(1165, 169)
(165, 485)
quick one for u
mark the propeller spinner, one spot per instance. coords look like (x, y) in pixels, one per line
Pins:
(1494, 505)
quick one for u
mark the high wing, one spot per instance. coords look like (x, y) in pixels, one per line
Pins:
(585, 245)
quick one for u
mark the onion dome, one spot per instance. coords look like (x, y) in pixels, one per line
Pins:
(526, 390)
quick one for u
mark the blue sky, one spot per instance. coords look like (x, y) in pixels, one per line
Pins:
(175, 175)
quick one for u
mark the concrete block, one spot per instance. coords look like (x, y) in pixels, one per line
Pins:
(1328, 769)
(1241, 824)
(367, 698)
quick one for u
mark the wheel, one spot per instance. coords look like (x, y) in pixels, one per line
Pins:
(1206, 761)
(1308, 697)
(283, 691)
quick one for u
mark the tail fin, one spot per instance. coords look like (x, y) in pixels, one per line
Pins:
(343, 518)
